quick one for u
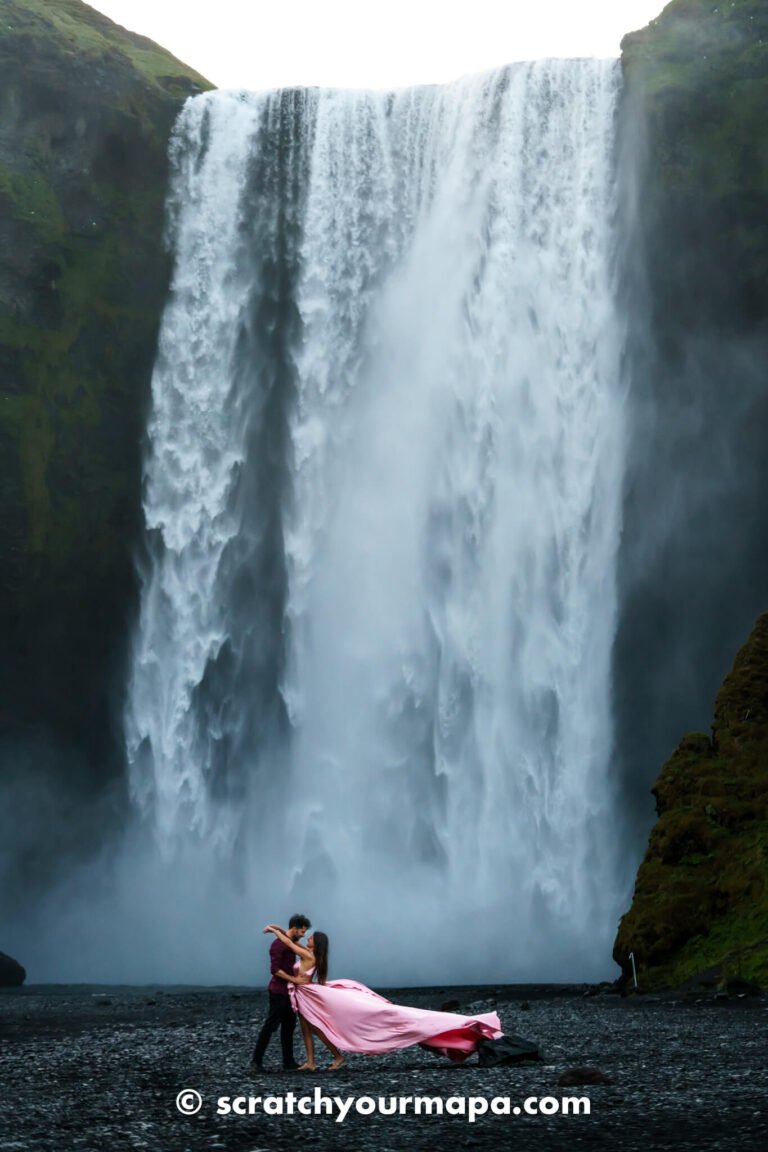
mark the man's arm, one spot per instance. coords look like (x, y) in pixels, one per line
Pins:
(276, 961)
(299, 978)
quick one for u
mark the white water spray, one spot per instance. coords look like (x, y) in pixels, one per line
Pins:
(372, 672)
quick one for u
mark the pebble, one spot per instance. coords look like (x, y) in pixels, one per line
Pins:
(79, 1076)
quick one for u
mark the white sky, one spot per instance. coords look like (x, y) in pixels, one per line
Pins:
(360, 44)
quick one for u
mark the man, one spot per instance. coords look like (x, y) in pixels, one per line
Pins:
(281, 1014)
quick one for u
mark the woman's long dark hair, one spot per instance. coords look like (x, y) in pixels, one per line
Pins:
(320, 948)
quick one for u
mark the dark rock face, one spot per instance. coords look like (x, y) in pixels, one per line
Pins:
(701, 71)
(12, 975)
(694, 556)
(694, 562)
(86, 110)
(701, 897)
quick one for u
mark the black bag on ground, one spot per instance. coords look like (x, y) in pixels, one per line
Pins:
(506, 1050)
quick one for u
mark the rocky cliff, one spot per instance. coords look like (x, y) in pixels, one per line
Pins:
(86, 109)
(696, 538)
(85, 114)
(694, 558)
(701, 898)
(700, 72)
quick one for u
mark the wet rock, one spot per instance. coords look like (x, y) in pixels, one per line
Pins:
(578, 1076)
(12, 974)
(743, 988)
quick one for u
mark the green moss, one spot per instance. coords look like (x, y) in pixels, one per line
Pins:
(30, 197)
(701, 895)
(77, 28)
(695, 94)
(734, 948)
(26, 419)
(86, 240)
(701, 71)
(88, 109)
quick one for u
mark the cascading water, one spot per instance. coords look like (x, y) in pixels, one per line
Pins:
(372, 670)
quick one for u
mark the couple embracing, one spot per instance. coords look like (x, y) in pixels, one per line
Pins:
(346, 1016)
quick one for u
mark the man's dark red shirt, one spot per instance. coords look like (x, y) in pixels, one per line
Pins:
(280, 956)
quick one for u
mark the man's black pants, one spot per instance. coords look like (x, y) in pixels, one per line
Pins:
(281, 1015)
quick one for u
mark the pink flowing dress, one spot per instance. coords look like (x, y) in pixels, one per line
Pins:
(356, 1019)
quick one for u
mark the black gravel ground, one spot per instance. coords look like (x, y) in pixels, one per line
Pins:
(87, 1069)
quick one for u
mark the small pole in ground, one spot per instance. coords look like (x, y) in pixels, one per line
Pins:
(634, 970)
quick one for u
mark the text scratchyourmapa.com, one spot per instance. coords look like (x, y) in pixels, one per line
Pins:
(318, 1103)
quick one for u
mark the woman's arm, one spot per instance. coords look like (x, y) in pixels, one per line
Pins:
(297, 948)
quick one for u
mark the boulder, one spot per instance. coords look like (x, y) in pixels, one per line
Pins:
(575, 1077)
(12, 974)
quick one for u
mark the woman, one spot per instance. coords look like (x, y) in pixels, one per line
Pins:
(347, 1015)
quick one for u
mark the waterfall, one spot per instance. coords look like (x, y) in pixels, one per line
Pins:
(371, 675)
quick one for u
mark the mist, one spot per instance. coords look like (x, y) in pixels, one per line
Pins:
(131, 917)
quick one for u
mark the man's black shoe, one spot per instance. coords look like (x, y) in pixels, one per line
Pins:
(255, 1068)
(291, 1067)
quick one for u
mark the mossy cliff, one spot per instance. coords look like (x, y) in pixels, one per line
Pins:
(694, 557)
(86, 109)
(700, 72)
(701, 896)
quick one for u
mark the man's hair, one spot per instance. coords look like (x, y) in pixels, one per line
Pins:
(299, 922)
